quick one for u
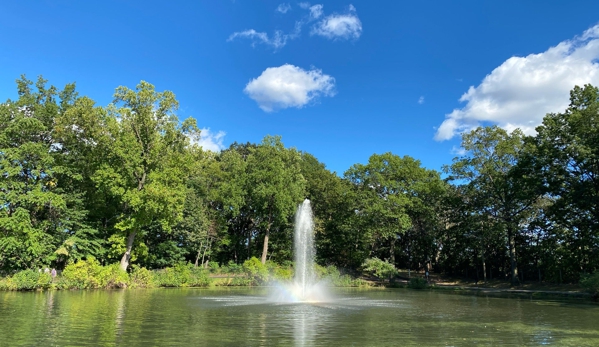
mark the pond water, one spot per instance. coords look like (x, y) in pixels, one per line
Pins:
(243, 317)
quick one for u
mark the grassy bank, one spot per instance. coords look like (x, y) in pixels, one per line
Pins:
(90, 274)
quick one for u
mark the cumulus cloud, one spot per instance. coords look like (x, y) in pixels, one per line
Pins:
(283, 8)
(210, 141)
(289, 86)
(421, 100)
(339, 26)
(522, 90)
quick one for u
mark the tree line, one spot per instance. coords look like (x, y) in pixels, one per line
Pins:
(128, 183)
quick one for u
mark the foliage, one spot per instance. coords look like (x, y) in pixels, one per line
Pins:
(140, 277)
(591, 283)
(256, 271)
(379, 268)
(417, 283)
(83, 185)
(83, 274)
(182, 275)
(29, 280)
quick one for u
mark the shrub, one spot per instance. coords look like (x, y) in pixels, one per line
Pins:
(213, 266)
(591, 283)
(234, 267)
(26, 279)
(112, 276)
(256, 271)
(44, 281)
(176, 276)
(379, 268)
(183, 275)
(199, 278)
(81, 275)
(417, 283)
(7, 284)
(141, 277)
(282, 273)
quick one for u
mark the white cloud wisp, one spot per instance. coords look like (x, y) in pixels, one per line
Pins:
(283, 8)
(339, 26)
(288, 86)
(522, 90)
(277, 41)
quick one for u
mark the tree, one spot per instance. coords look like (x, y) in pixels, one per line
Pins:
(41, 215)
(145, 162)
(392, 193)
(275, 185)
(500, 191)
(566, 158)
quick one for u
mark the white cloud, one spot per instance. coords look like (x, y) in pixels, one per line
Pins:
(339, 26)
(458, 150)
(304, 5)
(288, 86)
(421, 100)
(315, 11)
(210, 141)
(277, 41)
(283, 8)
(522, 90)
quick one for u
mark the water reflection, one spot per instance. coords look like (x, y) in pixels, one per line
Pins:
(245, 317)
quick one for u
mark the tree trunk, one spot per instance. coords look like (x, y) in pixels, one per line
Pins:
(265, 247)
(392, 251)
(484, 269)
(199, 252)
(512, 249)
(127, 255)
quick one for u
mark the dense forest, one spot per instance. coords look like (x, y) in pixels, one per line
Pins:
(129, 184)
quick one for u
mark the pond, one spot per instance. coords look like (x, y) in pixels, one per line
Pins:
(243, 317)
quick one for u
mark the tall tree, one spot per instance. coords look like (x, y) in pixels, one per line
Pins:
(40, 213)
(275, 184)
(500, 192)
(567, 160)
(391, 188)
(146, 161)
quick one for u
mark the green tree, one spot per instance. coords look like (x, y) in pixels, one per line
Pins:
(392, 193)
(275, 184)
(566, 158)
(500, 191)
(40, 213)
(146, 161)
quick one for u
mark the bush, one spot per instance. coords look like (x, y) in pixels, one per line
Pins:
(213, 267)
(591, 283)
(141, 277)
(112, 276)
(7, 284)
(26, 279)
(81, 275)
(234, 268)
(379, 268)
(256, 271)
(417, 283)
(44, 281)
(282, 273)
(182, 275)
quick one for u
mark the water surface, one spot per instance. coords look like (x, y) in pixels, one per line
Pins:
(243, 317)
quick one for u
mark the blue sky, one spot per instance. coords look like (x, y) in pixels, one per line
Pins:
(339, 79)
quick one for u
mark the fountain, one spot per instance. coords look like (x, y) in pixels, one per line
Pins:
(305, 287)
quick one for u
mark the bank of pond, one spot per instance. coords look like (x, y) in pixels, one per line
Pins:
(90, 274)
